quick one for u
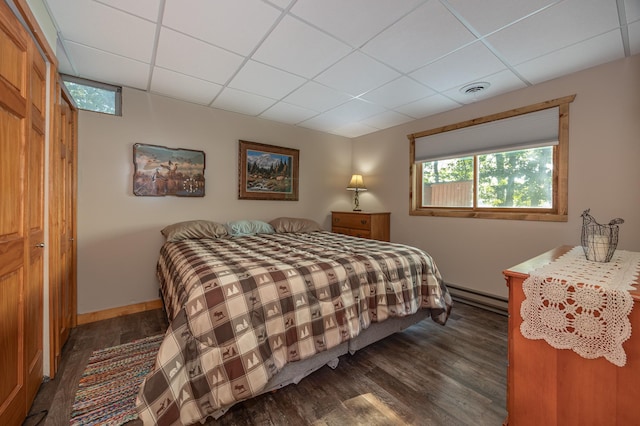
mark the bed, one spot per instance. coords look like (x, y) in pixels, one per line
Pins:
(255, 306)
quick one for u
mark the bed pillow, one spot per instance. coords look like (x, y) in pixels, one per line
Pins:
(194, 230)
(294, 224)
(240, 228)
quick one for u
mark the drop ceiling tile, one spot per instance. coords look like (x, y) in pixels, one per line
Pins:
(282, 4)
(184, 87)
(356, 110)
(187, 55)
(632, 10)
(634, 37)
(398, 92)
(354, 21)
(266, 81)
(598, 50)
(323, 122)
(428, 106)
(357, 74)
(490, 15)
(559, 26)
(147, 9)
(353, 130)
(242, 102)
(501, 82)
(102, 66)
(235, 25)
(352, 111)
(132, 38)
(386, 119)
(287, 113)
(299, 48)
(453, 70)
(419, 38)
(317, 97)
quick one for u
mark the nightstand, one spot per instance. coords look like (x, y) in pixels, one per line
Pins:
(374, 226)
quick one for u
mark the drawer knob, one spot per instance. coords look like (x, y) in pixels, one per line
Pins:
(363, 221)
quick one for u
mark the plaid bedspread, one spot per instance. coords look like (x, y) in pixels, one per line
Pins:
(242, 308)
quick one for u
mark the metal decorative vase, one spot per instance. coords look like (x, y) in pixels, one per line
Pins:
(599, 242)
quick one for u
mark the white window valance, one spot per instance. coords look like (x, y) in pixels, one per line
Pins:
(531, 130)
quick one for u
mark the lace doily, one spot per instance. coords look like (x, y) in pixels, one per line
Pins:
(577, 304)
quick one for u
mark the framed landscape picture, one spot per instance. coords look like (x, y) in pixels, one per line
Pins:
(267, 172)
(161, 171)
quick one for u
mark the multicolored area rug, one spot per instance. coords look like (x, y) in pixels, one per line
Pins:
(107, 391)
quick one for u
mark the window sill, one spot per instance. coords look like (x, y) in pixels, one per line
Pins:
(504, 215)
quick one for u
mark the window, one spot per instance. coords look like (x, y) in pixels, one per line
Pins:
(93, 96)
(511, 165)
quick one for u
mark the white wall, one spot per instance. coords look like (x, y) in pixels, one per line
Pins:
(39, 10)
(119, 233)
(604, 175)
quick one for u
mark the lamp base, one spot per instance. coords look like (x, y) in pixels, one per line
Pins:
(356, 201)
(357, 210)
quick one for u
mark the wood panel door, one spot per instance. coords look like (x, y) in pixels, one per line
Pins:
(15, 244)
(35, 167)
(62, 283)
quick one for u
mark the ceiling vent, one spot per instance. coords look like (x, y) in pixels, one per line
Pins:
(473, 89)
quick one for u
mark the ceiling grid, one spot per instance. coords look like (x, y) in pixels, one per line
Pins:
(346, 67)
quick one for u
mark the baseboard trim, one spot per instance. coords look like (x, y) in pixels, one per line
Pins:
(119, 312)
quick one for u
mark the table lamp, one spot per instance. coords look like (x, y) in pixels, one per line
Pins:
(356, 184)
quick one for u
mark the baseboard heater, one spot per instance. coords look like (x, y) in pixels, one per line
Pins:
(490, 302)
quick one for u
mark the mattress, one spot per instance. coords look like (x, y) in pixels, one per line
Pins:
(245, 312)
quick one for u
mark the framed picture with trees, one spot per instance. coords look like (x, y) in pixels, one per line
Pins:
(267, 172)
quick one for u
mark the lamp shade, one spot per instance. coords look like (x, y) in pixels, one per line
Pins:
(356, 183)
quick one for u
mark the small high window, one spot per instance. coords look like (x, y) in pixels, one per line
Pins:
(94, 96)
(511, 165)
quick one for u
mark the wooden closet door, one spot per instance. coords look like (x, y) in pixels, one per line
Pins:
(14, 238)
(69, 258)
(63, 192)
(33, 295)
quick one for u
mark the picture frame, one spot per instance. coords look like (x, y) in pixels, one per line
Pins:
(161, 171)
(267, 172)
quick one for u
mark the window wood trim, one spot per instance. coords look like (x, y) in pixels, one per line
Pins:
(559, 213)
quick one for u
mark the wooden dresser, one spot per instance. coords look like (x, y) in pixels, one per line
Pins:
(548, 386)
(361, 224)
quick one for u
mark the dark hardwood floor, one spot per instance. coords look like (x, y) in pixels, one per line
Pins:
(426, 375)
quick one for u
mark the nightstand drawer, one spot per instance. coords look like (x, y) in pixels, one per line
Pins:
(346, 220)
(362, 233)
(361, 224)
